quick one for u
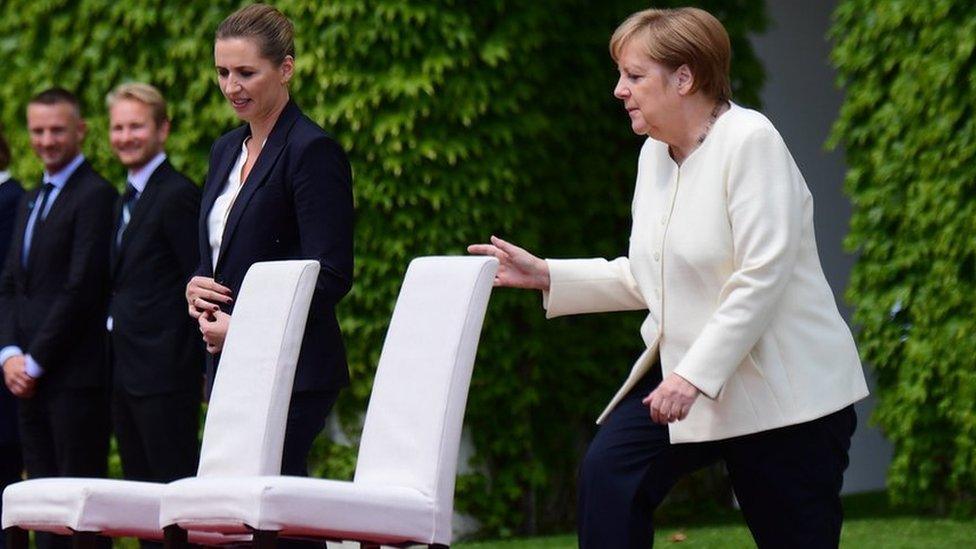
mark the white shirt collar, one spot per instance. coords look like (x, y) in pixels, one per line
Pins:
(4, 176)
(140, 177)
(60, 178)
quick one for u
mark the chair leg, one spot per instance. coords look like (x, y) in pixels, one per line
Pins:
(368, 545)
(174, 537)
(17, 538)
(437, 546)
(83, 540)
(265, 539)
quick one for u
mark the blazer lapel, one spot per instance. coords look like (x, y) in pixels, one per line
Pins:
(259, 173)
(64, 197)
(20, 229)
(142, 207)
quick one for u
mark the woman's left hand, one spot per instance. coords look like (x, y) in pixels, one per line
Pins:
(671, 400)
(214, 326)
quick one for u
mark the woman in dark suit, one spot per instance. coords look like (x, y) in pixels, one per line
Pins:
(278, 187)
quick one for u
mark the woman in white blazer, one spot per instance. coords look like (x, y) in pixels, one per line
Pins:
(747, 359)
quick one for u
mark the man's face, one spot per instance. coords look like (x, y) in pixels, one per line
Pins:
(134, 134)
(56, 132)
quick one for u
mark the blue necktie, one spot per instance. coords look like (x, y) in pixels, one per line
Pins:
(37, 215)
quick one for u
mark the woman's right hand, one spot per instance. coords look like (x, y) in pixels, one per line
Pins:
(205, 295)
(517, 268)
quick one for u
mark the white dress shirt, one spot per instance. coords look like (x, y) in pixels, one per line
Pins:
(723, 256)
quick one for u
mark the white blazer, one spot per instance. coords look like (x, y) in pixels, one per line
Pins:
(723, 256)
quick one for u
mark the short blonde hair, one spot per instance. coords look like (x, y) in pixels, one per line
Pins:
(143, 93)
(681, 36)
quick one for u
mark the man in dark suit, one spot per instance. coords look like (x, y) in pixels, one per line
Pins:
(157, 355)
(53, 296)
(11, 463)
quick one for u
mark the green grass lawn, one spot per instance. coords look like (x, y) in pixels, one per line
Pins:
(870, 524)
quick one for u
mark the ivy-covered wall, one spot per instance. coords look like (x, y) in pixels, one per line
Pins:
(908, 125)
(462, 119)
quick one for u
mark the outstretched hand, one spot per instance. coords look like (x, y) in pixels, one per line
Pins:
(517, 268)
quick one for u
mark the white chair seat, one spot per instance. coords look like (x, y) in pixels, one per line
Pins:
(301, 507)
(60, 505)
(66, 505)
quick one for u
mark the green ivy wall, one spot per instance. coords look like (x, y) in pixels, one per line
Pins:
(909, 131)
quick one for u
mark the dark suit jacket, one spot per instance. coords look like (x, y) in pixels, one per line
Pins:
(55, 309)
(156, 346)
(295, 204)
(10, 195)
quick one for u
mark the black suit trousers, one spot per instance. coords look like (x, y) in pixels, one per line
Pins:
(64, 432)
(157, 434)
(787, 481)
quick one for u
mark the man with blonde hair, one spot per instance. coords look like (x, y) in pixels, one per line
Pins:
(156, 354)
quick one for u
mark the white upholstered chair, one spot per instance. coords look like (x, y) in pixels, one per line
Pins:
(403, 490)
(244, 429)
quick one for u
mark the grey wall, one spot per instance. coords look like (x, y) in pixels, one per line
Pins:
(801, 99)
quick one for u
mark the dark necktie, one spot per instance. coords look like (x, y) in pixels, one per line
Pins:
(128, 201)
(35, 229)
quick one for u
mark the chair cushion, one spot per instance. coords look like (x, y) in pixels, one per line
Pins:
(116, 508)
(60, 505)
(296, 506)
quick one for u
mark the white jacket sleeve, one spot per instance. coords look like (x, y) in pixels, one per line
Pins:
(765, 196)
(580, 286)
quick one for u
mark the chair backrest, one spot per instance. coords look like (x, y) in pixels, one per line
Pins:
(413, 423)
(245, 427)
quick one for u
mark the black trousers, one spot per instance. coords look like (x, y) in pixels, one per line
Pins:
(157, 434)
(64, 433)
(11, 467)
(787, 481)
(307, 413)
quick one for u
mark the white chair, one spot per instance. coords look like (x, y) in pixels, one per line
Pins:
(244, 429)
(403, 490)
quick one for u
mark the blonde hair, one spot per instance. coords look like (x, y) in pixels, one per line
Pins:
(274, 32)
(681, 36)
(143, 93)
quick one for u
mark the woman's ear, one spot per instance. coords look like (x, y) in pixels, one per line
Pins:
(287, 69)
(684, 80)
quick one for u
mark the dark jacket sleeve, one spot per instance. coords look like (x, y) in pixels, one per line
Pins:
(7, 281)
(180, 222)
(322, 191)
(83, 293)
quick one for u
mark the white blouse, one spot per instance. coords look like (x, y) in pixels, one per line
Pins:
(217, 219)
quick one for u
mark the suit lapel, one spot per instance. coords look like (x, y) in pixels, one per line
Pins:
(222, 172)
(259, 173)
(64, 197)
(21, 228)
(140, 211)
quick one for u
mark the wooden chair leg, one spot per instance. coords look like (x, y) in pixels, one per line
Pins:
(17, 538)
(83, 540)
(368, 545)
(437, 546)
(174, 537)
(264, 539)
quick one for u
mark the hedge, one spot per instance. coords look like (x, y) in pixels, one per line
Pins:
(909, 131)
(462, 120)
